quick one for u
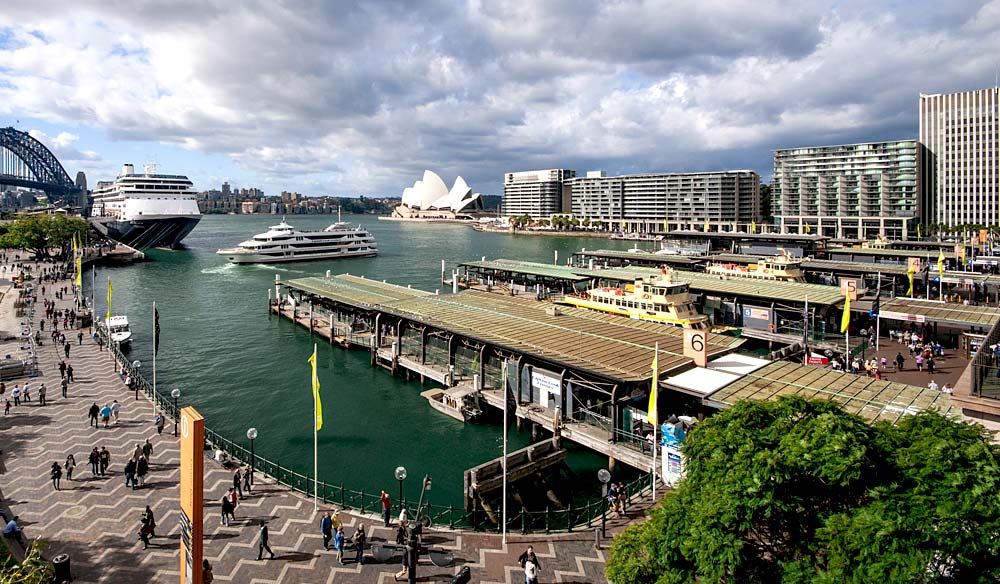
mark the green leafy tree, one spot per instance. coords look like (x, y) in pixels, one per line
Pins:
(799, 491)
(33, 570)
(41, 234)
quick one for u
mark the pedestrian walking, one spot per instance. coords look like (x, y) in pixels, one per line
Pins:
(6, 407)
(105, 458)
(79, 338)
(386, 507)
(130, 474)
(237, 482)
(65, 385)
(147, 449)
(227, 510)
(16, 394)
(106, 414)
(115, 408)
(247, 479)
(141, 469)
(930, 365)
(158, 420)
(262, 542)
(148, 514)
(69, 373)
(26, 392)
(326, 528)
(235, 502)
(69, 466)
(137, 452)
(529, 562)
(41, 395)
(899, 361)
(338, 544)
(66, 349)
(95, 460)
(359, 544)
(144, 533)
(62, 369)
(206, 572)
(55, 473)
(95, 410)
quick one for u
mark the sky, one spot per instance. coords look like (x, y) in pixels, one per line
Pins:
(350, 98)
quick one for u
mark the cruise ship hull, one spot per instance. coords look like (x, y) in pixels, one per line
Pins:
(241, 257)
(144, 233)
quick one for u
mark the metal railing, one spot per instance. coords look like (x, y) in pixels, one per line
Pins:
(548, 520)
(985, 364)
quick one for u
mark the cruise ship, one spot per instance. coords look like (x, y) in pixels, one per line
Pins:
(145, 210)
(282, 243)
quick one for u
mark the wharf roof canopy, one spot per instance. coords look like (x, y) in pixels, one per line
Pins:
(430, 192)
(874, 400)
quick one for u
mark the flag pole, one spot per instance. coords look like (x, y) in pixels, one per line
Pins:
(315, 443)
(93, 299)
(878, 319)
(656, 417)
(505, 408)
(155, 347)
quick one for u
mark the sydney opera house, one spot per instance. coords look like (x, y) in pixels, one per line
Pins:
(430, 198)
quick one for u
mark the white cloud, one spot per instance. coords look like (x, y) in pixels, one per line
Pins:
(361, 97)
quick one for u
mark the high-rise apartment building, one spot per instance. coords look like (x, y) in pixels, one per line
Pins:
(960, 133)
(652, 202)
(851, 190)
(538, 193)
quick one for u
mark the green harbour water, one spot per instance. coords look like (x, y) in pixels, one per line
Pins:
(241, 368)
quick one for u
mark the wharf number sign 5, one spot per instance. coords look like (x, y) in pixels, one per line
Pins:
(696, 346)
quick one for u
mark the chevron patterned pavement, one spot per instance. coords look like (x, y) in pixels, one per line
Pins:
(95, 519)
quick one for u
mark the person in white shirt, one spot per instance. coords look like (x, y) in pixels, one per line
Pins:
(932, 386)
(947, 389)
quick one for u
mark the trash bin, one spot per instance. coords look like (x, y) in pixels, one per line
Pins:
(463, 576)
(61, 565)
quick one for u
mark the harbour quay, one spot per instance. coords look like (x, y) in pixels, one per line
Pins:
(574, 372)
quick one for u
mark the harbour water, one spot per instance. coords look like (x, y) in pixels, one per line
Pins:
(242, 369)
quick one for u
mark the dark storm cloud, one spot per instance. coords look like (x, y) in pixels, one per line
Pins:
(362, 96)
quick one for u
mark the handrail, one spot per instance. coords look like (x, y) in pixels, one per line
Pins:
(524, 521)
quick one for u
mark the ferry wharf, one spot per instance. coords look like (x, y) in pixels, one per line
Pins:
(573, 372)
(94, 518)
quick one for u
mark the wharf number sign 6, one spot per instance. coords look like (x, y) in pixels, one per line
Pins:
(696, 346)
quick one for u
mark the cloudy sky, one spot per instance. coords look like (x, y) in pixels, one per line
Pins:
(353, 98)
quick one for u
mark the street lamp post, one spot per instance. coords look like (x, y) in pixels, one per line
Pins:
(252, 435)
(176, 393)
(604, 476)
(400, 476)
(135, 368)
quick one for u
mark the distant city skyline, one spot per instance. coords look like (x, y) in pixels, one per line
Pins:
(359, 99)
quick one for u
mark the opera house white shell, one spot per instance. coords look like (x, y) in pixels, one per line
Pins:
(431, 194)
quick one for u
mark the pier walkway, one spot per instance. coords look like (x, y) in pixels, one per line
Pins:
(95, 519)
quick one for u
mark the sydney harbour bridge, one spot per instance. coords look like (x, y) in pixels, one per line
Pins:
(26, 162)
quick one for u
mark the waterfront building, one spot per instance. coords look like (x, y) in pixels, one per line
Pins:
(430, 198)
(537, 193)
(728, 200)
(849, 190)
(960, 133)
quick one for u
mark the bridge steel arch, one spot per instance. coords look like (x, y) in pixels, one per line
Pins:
(26, 162)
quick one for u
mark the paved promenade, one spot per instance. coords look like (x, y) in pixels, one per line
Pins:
(95, 519)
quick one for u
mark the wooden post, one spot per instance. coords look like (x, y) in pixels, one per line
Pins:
(192, 494)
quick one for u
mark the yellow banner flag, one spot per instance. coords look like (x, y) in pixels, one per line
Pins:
(651, 410)
(753, 227)
(79, 272)
(919, 234)
(315, 390)
(109, 299)
(845, 319)
(808, 229)
(707, 226)
(941, 263)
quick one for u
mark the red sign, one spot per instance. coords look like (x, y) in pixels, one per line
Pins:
(810, 360)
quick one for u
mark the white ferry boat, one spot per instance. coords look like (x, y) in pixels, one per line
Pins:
(283, 243)
(145, 210)
(118, 330)
(657, 298)
(782, 267)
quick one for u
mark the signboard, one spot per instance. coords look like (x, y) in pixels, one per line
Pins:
(912, 264)
(758, 313)
(546, 387)
(849, 288)
(816, 360)
(673, 464)
(192, 494)
(984, 236)
(891, 315)
(959, 252)
(696, 346)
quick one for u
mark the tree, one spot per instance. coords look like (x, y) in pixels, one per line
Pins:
(800, 491)
(33, 570)
(766, 201)
(40, 234)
